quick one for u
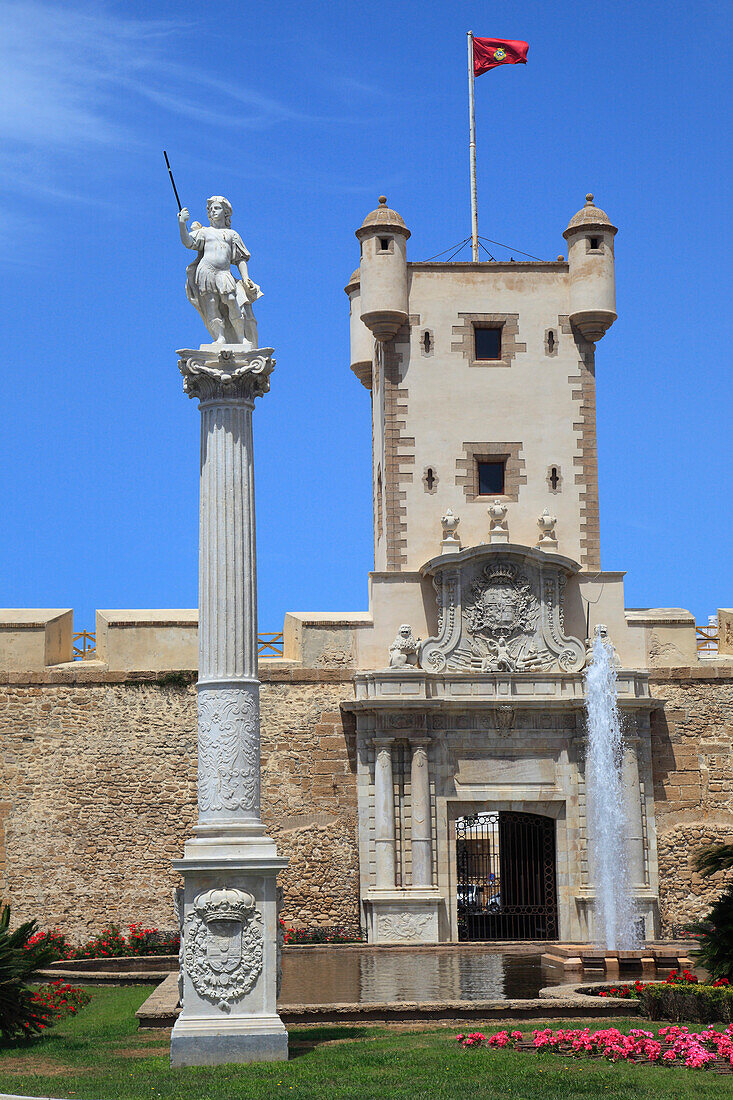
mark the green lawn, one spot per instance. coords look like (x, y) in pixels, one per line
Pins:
(100, 1055)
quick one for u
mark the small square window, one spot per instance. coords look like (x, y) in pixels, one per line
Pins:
(595, 243)
(384, 243)
(491, 478)
(487, 343)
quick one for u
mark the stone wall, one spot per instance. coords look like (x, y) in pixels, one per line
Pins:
(99, 793)
(98, 790)
(692, 756)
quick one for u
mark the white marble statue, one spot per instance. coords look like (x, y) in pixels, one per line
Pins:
(225, 304)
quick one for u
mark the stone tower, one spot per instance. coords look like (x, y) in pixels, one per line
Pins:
(483, 380)
(487, 581)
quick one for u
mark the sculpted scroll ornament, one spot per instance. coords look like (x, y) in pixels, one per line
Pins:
(223, 945)
(229, 764)
(208, 374)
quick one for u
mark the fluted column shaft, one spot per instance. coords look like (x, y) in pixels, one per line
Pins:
(227, 559)
(384, 831)
(422, 857)
(226, 382)
(228, 688)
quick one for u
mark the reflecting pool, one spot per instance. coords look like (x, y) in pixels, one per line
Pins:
(323, 975)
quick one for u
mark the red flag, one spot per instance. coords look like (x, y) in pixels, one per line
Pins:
(490, 52)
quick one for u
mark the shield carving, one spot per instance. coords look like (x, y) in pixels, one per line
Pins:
(500, 609)
(224, 945)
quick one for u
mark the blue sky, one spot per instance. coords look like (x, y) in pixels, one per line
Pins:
(302, 114)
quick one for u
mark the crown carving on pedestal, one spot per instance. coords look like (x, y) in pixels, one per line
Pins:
(224, 904)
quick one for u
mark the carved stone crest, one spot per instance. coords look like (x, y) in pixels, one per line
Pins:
(223, 945)
(501, 616)
(500, 610)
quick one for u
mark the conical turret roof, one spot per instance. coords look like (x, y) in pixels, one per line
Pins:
(590, 215)
(383, 218)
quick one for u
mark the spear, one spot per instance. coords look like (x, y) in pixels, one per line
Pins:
(173, 182)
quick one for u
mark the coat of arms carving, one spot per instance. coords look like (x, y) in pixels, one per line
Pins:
(223, 945)
(501, 619)
(500, 610)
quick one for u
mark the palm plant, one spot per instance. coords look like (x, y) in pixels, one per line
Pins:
(19, 1015)
(714, 950)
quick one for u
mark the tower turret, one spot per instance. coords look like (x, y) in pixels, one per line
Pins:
(362, 341)
(592, 276)
(383, 238)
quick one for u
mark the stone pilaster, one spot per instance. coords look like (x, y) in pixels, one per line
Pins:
(632, 799)
(229, 963)
(384, 832)
(422, 855)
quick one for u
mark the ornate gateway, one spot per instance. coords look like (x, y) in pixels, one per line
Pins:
(500, 610)
(222, 945)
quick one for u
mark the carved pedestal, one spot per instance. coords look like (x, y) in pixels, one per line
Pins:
(229, 925)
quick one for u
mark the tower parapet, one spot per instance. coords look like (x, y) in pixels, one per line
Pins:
(383, 237)
(592, 275)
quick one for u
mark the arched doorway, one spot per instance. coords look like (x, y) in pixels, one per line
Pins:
(505, 865)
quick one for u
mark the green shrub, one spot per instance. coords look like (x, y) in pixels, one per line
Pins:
(20, 1015)
(714, 933)
(704, 1004)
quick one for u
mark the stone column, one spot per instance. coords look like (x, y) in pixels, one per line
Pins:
(632, 799)
(229, 965)
(422, 857)
(384, 835)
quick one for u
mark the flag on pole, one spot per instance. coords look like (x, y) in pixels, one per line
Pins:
(490, 52)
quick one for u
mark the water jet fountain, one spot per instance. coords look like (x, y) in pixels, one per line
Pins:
(607, 814)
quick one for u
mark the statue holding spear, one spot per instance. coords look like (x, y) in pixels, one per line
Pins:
(225, 304)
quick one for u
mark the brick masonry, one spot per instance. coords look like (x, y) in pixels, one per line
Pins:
(692, 763)
(473, 453)
(466, 345)
(98, 791)
(99, 794)
(586, 460)
(399, 451)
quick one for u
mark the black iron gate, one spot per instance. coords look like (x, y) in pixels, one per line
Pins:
(506, 877)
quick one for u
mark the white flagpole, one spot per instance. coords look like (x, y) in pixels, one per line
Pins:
(472, 151)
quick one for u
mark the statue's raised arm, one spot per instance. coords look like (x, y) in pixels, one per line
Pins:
(225, 304)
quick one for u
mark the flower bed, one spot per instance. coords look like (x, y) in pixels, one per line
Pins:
(672, 1046)
(56, 1000)
(111, 943)
(680, 997)
(295, 936)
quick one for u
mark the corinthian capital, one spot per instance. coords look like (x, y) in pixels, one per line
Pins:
(230, 373)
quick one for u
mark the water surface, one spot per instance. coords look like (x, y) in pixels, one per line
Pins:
(315, 975)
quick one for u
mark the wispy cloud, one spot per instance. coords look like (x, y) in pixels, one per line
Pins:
(74, 78)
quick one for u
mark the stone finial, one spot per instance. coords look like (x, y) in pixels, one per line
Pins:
(548, 538)
(499, 528)
(403, 651)
(451, 542)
